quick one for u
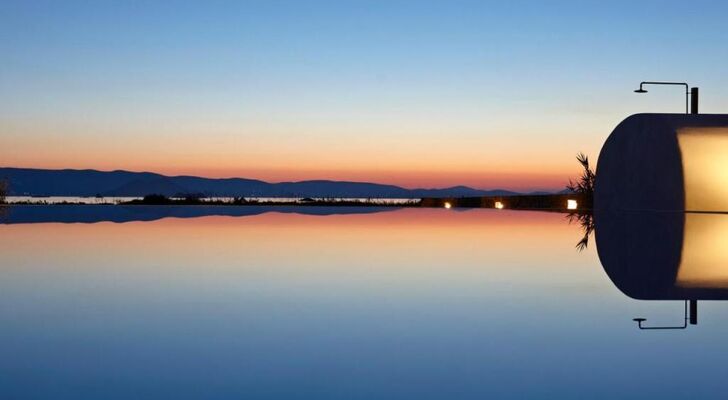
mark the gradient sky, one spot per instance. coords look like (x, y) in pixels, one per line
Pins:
(418, 93)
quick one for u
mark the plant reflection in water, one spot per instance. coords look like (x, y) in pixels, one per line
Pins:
(586, 220)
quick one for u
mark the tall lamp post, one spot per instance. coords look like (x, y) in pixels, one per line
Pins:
(691, 94)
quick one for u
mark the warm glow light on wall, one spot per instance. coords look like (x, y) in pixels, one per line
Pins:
(571, 204)
(499, 205)
(705, 168)
(448, 205)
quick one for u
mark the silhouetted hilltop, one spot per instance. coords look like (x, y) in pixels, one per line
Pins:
(68, 182)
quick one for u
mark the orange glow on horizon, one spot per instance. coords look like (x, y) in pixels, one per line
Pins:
(407, 159)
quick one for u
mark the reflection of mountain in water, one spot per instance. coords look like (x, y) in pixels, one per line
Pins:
(112, 213)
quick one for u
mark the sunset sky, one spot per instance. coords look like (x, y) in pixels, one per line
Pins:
(420, 94)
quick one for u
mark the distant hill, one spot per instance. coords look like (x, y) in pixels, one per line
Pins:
(69, 182)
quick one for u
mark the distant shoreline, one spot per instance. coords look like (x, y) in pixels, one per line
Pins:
(156, 200)
(550, 202)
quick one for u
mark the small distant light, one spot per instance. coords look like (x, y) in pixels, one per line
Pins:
(571, 204)
(448, 205)
(499, 205)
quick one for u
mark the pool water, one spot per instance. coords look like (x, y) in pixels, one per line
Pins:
(331, 304)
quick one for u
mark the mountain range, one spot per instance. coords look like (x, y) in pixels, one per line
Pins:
(70, 182)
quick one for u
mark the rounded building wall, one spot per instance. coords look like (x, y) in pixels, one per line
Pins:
(665, 162)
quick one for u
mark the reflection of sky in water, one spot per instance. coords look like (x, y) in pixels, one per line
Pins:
(412, 303)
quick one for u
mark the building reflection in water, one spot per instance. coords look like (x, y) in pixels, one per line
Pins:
(665, 256)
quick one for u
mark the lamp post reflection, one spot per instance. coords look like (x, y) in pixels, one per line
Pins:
(661, 256)
(665, 256)
(692, 317)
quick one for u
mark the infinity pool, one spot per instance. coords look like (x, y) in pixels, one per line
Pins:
(331, 303)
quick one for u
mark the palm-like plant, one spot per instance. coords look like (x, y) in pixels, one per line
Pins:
(584, 186)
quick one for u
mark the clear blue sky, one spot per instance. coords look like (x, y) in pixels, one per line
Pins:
(417, 93)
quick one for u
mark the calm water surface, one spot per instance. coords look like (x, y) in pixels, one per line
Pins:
(409, 303)
(115, 200)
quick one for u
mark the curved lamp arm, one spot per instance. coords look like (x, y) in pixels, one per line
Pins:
(687, 89)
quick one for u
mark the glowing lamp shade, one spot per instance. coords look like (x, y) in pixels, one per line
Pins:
(571, 204)
(499, 205)
(448, 205)
(665, 162)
